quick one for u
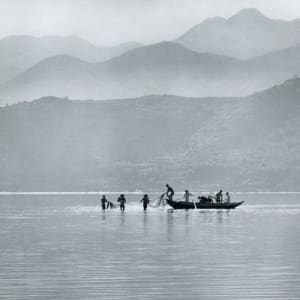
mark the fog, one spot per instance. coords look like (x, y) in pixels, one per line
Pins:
(116, 21)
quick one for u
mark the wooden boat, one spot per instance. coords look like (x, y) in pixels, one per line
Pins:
(203, 205)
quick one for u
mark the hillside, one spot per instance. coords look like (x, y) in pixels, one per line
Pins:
(245, 35)
(285, 62)
(18, 53)
(250, 143)
(163, 68)
(156, 69)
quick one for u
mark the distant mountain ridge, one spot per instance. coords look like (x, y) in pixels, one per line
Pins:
(245, 35)
(18, 53)
(209, 60)
(164, 68)
(244, 144)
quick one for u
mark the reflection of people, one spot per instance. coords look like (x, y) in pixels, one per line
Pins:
(104, 202)
(145, 201)
(219, 196)
(170, 192)
(122, 201)
(187, 195)
(227, 197)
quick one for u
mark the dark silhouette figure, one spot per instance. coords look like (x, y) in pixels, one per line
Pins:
(104, 202)
(187, 196)
(219, 196)
(122, 201)
(145, 201)
(170, 192)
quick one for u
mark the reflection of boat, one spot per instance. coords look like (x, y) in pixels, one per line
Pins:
(203, 205)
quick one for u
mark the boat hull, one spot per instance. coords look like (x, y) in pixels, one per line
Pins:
(199, 205)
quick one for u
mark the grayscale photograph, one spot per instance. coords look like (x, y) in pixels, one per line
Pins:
(150, 149)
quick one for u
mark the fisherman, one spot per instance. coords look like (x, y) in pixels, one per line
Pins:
(145, 201)
(227, 197)
(122, 201)
(187, 195)
(170, 192)
(104, 202)
(219, 196)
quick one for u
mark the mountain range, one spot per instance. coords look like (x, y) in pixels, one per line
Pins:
(164, 68)
(219, 57)
(18, 53)
(246, 144)
(245, 35)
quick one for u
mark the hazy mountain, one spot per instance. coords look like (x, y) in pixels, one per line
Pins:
(18, 53)
(164, 68)
(286, 61)
(250, 143)
(245, 35)
(160, 68)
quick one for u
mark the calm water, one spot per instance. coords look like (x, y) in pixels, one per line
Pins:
(65, 247)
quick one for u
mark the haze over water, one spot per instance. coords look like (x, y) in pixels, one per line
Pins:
(66, 247)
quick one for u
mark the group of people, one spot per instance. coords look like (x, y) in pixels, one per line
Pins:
(218, 197)
(105, 203)
(169, 194)
(122, 200)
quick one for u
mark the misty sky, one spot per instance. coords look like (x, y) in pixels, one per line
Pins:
(108, 22)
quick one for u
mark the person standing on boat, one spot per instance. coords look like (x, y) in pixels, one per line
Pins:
(187, 196)
(227, 197)
(145, 201)
(104, 202)
(170, 192)
(122, 201)
(219, 196)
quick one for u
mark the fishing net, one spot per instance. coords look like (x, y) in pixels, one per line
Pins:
(159, 202)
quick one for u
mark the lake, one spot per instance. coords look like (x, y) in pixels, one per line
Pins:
(66, 247)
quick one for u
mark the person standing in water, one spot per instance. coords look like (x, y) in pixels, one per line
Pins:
(145, 201)
(122, 201)
(104, 202)
(170, 192)
(187, 196)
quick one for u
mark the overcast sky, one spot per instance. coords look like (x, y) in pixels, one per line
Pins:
(108, 22)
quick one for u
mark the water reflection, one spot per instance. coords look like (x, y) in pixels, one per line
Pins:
(122, 218)
(220, 216)
(145, 223)
(103, 216)
(70, 249)
(170, 224)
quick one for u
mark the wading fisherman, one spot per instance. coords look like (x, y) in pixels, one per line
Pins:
(187, 195)
(170, 192)
(122, 201)
(104, 202)
(145, 201)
